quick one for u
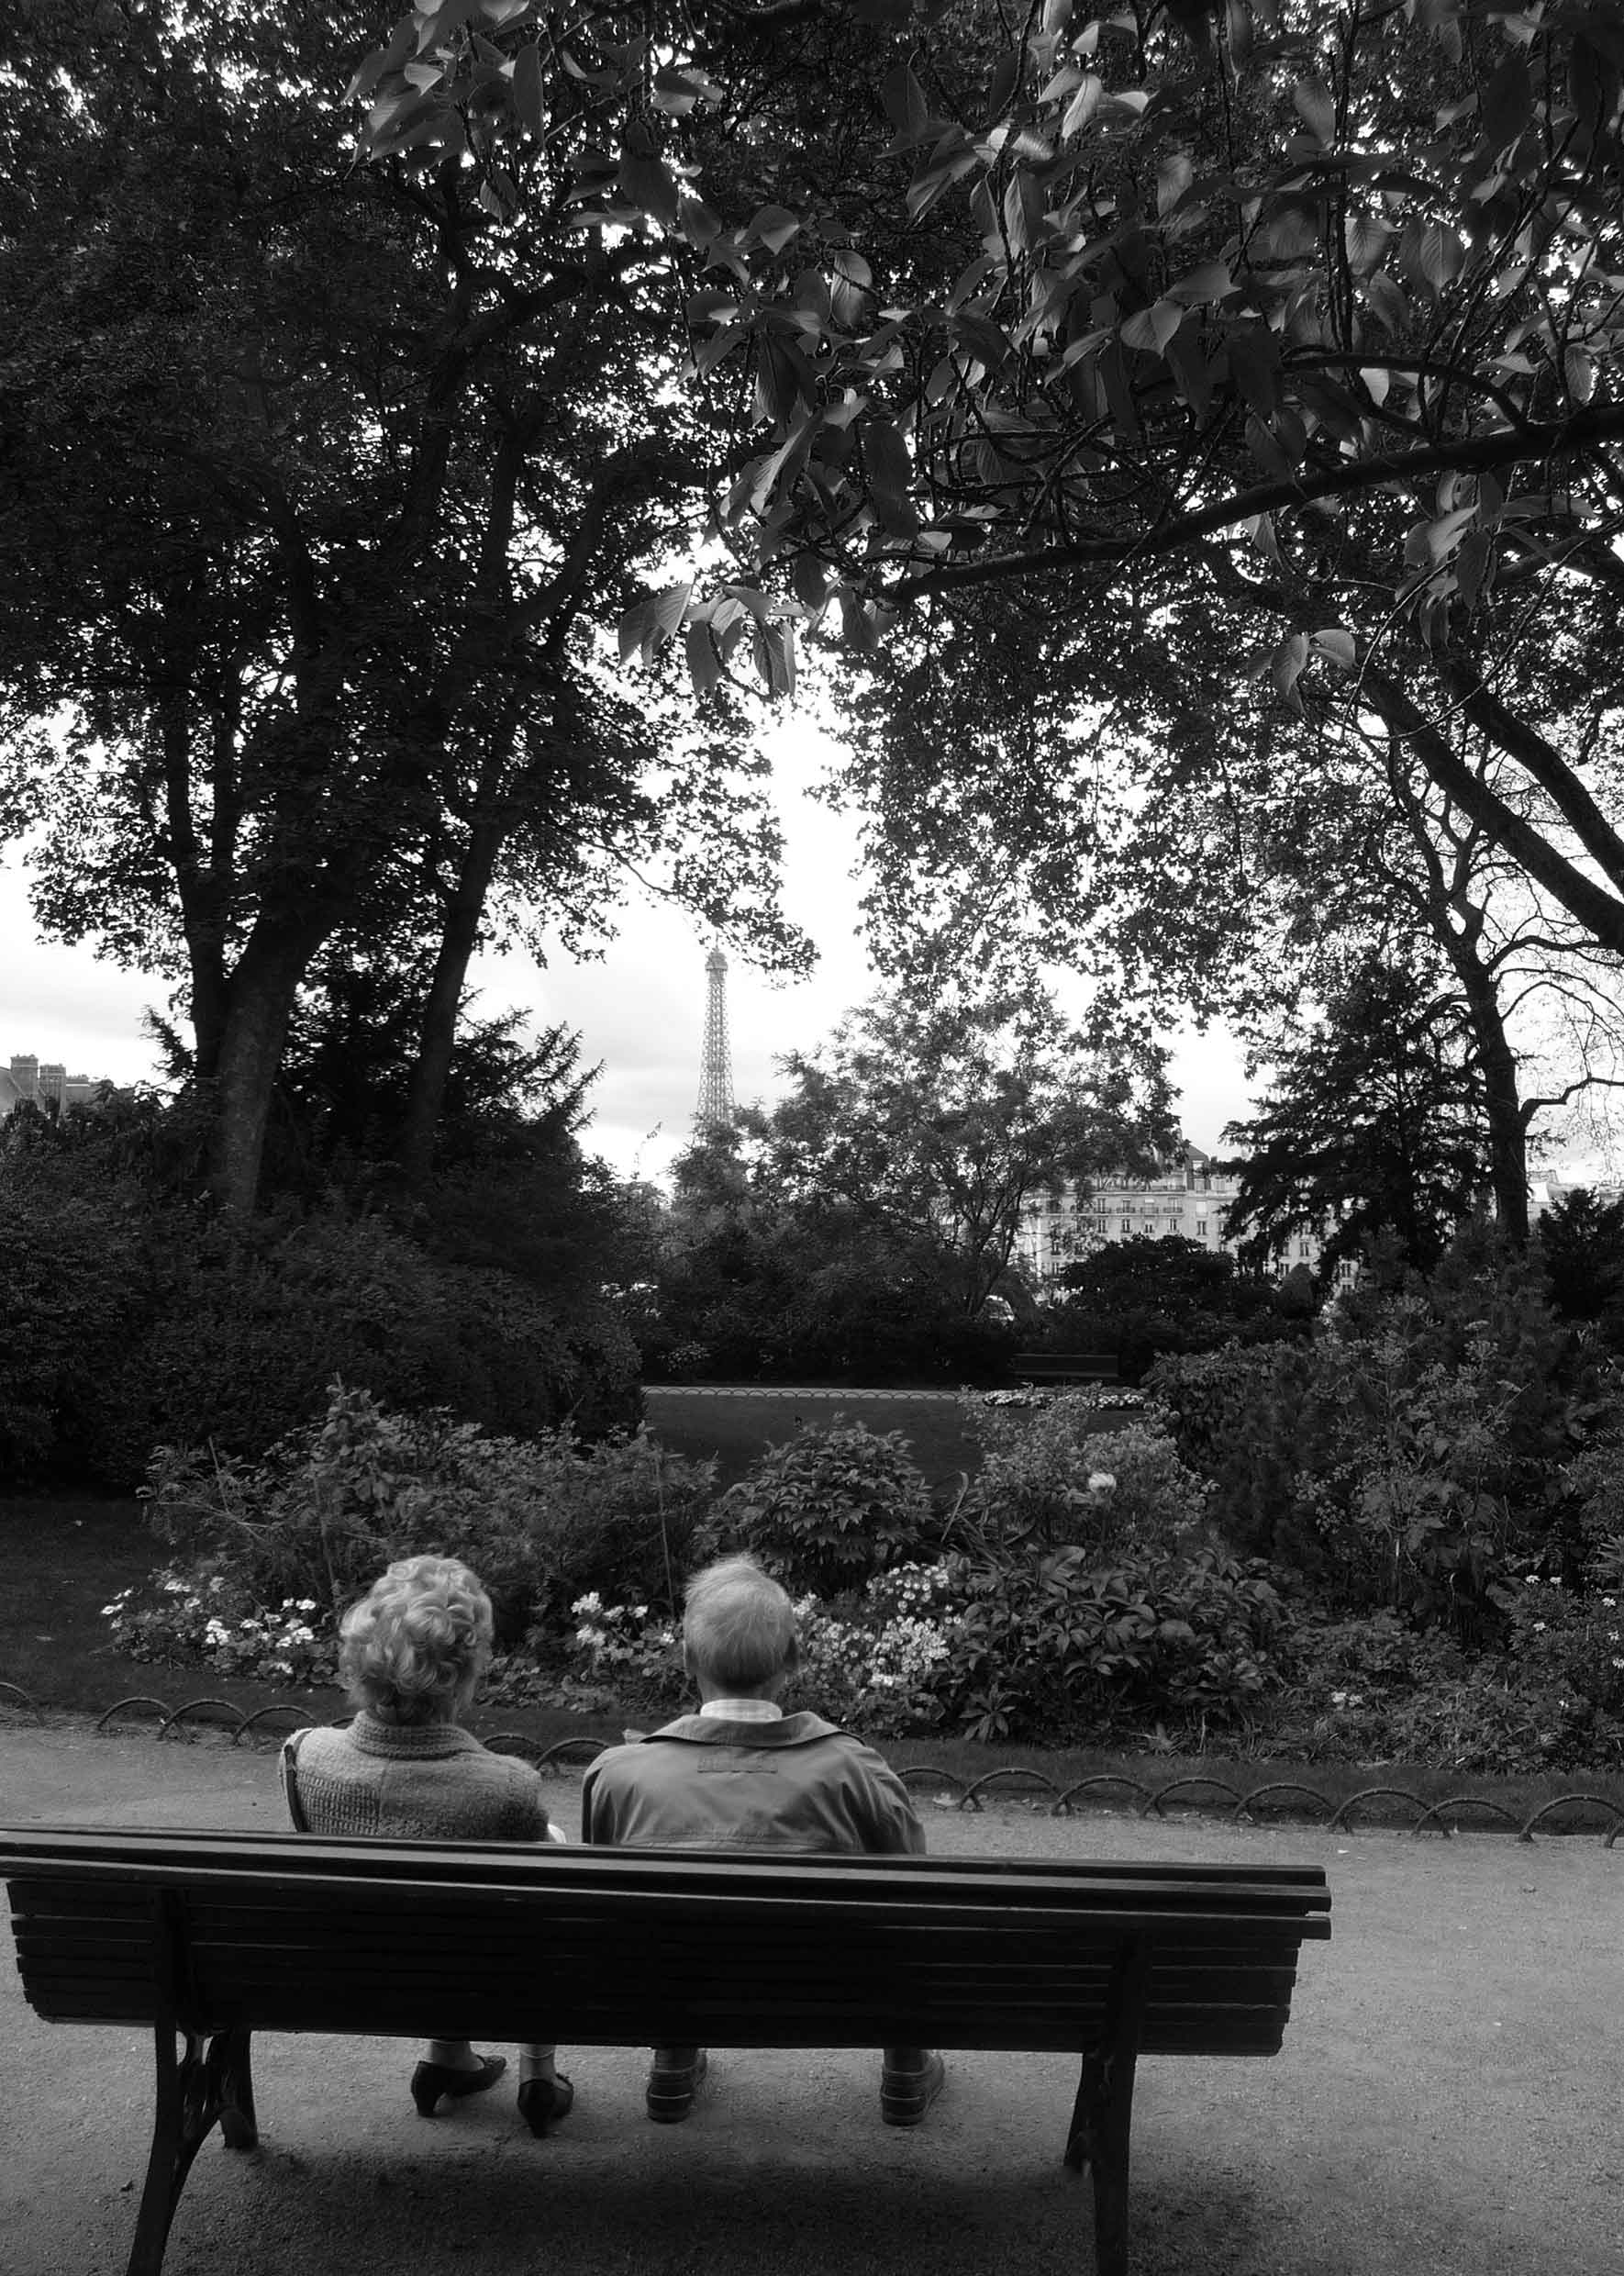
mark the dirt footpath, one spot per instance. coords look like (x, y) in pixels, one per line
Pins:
(1448, 2100)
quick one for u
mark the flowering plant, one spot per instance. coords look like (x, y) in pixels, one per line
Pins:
(200, 1622)
(619, 1655)
(869, 1667)
(1568, 1647)
(878, 1669)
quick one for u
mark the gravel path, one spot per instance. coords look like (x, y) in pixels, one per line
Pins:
(1448, 2101)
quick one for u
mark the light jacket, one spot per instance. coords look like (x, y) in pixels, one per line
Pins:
(705, 1782)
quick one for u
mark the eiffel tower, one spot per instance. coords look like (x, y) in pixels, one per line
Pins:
(715, 1110)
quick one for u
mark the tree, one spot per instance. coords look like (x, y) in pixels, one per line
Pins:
(1373, 1123)
(1114, 806)
(1307, 317)
(749, 1283)
(1580, 1246)
(1144, 1297)
(934, 1123)
(317, 483)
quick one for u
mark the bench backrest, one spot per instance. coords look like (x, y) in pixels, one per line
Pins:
(621, 1948)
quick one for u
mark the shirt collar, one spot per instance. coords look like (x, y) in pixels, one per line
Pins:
(743, 1710)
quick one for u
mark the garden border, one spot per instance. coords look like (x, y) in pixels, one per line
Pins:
(1336, 1817)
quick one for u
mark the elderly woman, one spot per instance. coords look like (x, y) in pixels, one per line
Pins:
(411, 1656)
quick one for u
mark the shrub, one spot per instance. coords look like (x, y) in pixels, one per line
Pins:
(538, 1521)
(1048, 1475)
(1052, 1647)
(1414, 1452)
(130, 1321)
(623, 1518)
(251, 1331)
(1567, 1647)
(79, 1284)
(1377, 1690)
(1247, 1420)
(830, 1508)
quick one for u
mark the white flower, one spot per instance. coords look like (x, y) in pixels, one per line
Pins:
(1101, 1481)
(1608, 1602)
(590, 1603)
(1539, 1627)
(640, 1612)
(1618, 1663)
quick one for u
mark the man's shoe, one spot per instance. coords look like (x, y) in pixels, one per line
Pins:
(673, 2082)
(907, 2095)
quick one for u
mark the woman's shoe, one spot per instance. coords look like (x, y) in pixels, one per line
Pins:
(431, 2080)
(543, 2101)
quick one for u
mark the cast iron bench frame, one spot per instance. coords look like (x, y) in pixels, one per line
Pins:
(210, 1936)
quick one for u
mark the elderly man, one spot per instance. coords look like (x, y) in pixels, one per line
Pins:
(741, 1774)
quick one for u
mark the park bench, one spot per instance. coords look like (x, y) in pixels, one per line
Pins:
(1051, 1366)
(211, 1937)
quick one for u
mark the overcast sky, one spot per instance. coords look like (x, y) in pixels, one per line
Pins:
(640, 1011)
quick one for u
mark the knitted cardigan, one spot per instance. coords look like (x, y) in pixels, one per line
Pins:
(419, 1781)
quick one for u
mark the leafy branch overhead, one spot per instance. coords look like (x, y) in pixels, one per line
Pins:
(1249, 278)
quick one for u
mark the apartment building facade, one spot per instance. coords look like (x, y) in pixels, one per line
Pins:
(44, 1083)
(1186, 1196)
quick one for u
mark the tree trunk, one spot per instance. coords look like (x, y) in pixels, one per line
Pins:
(260, 994)
(1506, 1129)
(438, 1034)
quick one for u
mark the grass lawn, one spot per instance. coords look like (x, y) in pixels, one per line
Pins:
(63, 1558)
(737, 1426)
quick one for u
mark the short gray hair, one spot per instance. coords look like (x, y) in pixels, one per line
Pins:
(414, 1648)
(739, 1626)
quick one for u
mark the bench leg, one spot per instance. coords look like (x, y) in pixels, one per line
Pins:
(1102, 2116)
(205, 2085)
(1101, 2125)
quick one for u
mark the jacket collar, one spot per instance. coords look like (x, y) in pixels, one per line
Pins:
(696, 1730)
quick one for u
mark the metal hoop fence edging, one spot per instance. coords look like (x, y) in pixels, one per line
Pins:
(1334, 1817)
(16, 1691)
(966, 1793)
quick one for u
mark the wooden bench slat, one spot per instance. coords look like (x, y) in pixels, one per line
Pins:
(64, 1850)
(648, 1913)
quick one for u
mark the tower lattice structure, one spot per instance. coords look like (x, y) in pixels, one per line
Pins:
(714, 1111)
